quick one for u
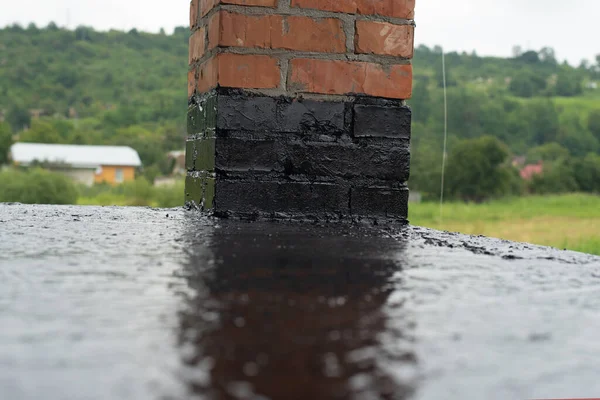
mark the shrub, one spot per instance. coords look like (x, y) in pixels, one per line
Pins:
(36, 186)
(170, 196)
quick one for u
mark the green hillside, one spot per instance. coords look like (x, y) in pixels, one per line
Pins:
(534, 106)
(129, 88)
(96, 88)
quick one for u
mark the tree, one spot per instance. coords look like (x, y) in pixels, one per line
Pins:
(593, 123)
(426, 164)
(421, 101)
(522, 86)
(543, 119)
(5, 142)
(587, 173)
(36, 186)
(52, 27)
(173, 137)
(145, 142)
(41, 131)
(548, 152)
(529, 57)
(439, 76)
(527, 84)
(558, 177)
(547, 55)
(568, 84)
(84, 33)
(464, 108)
(573, 135)
(67, 77)
(477, 170)
(18, 117)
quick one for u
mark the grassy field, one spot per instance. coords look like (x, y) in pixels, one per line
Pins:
(567, 222)
(136, 193)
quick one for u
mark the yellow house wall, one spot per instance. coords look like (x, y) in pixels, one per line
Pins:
(108, 174)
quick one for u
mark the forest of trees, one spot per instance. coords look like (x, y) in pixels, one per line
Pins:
(129, 88)
(500, 108)
(88, 87)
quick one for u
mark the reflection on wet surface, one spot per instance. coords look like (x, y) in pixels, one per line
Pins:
(294, 313)
(113, 303)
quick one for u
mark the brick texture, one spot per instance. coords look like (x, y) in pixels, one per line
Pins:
(207, 5)
(281, 32)
(191, 82)
(214, 29)
(296, 108)
(248, 71)
(383, 38)
(197, 45)
(193, 13)
(207, 76)
(389, 8)
(345, 77)
(242, 47)
(257, 3)
(244, 71)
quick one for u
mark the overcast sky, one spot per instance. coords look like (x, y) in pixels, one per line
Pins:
(491, 27)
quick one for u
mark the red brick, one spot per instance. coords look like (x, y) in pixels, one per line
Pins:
(237, 71)
(389, 8)
(239, 30)
(258, 3)
(191, 82)
(197, 45)
(208, 74)
(281, 32)
(193, 13)
(307, 34)
(214, 25)
(248, 71)
(384, 38)
(344, 77)
(207, 5)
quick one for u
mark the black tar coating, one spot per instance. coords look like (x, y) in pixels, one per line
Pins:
(257, 156)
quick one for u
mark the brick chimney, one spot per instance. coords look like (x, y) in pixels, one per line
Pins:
(297, 108)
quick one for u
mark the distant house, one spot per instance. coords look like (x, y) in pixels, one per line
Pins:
(529, 171)
(85, 164)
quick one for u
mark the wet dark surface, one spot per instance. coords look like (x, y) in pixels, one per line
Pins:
(115, 303)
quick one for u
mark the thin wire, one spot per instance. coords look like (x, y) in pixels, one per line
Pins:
(445, 136)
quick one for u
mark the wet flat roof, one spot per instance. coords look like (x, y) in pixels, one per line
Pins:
(136, 303)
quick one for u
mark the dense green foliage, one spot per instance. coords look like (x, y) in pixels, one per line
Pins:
(36, 186)
(527, 102)
(5, 141)
(95, 88)
(477, 169)
(129, 88)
